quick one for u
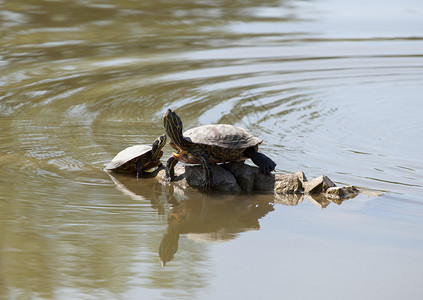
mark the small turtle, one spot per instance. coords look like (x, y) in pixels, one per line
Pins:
(211, 144)
(139, 158)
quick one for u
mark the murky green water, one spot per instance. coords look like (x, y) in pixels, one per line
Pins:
(333, 87)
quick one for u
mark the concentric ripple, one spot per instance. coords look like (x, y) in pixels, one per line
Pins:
(71, 97)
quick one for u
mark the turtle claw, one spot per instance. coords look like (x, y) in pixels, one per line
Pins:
(268, 168)
(169, 177)
(206, 186)
(265, 164)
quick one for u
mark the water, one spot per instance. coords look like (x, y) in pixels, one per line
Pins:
(332, 87)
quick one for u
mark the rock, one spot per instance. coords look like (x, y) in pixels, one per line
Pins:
(244, 174)
(288, 184)
(302, 177)
(342, 192)
(239, 177)
(264, 182)
(223, 180)
(250, 178)
(179, 173)
(318, 185)
(192, 176)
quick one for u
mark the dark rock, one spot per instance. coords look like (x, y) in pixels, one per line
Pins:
(264, 182)
(223, 180)
(192, 176)
(342, 192)
(239, 177)
(250, 178)
(244, 174)
(318, 185)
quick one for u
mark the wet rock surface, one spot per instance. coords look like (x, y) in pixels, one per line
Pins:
(318, 185)
(223, 180)
(342, 192)
(288, 184)
(239, 177)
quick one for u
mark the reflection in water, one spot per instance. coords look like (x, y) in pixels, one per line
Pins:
(53, 246)
(206, 217)
(131, 187)
(209, 217)
(211, 220)
(169, 245)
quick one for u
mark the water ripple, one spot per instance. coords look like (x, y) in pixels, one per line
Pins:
(318, 100)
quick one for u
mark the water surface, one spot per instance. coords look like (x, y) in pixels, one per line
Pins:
(332, 87)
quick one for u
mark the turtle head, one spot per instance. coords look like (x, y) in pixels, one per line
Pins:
(173, 127)
(158, 144)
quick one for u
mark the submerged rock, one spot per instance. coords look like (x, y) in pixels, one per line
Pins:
(342, 192)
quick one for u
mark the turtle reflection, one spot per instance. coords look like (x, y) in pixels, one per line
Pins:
(206, 217)
(212, 219)
(140, 190)
(215, 217)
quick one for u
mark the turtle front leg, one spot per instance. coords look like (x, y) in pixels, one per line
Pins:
(265, 163)
(208, 173)
(170, 168)
(140, 172)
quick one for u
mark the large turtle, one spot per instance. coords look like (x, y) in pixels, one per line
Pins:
(139, 158)
(211, 144)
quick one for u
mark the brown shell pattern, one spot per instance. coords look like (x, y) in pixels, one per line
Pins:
(126, 159)
(223, 142)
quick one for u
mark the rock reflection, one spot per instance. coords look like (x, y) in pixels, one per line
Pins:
(318, 200)
(289, 200)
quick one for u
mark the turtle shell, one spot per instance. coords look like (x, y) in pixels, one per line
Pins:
(126, 160)
(222, 142)
(222, 135)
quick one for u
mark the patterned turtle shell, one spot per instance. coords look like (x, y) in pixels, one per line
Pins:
(222, 141)
(138, 158)
(126, 160)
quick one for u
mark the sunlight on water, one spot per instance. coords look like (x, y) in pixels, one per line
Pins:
(332, 87)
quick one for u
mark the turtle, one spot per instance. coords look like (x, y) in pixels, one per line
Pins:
(139, 158)
(211, 144)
